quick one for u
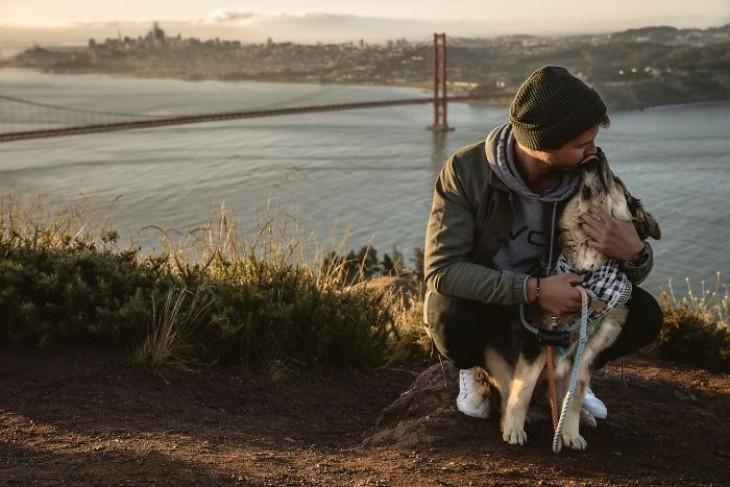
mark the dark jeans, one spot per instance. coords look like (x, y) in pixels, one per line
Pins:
(461, 328)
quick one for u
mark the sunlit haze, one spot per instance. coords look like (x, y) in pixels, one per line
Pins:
(74, 22)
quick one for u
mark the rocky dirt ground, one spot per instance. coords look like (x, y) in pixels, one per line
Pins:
(88, 419)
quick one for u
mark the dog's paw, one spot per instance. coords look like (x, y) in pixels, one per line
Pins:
(576, 442)
(514, 436)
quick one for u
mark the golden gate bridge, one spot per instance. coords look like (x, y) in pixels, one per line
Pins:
(75, 121)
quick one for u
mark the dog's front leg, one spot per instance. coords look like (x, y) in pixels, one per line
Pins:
(608, 331)
(571, 424)
(518, 401)
(500, 374)
(571, 427)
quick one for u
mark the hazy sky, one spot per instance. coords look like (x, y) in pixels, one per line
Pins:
(69, 21)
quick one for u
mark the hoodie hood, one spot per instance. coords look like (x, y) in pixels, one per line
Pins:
(500, 156)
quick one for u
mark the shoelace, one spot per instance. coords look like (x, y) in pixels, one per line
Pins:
(462, 385)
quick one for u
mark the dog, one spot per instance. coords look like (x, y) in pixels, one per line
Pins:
(515, 363)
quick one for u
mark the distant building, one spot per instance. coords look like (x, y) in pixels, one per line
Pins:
(155, 38)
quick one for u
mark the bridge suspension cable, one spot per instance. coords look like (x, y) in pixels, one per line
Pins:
(19, 115)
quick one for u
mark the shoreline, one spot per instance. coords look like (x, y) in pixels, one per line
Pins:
(424, 86)
(686, 104)
(421, 86)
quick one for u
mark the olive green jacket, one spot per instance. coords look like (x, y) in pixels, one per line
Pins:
(471, 217)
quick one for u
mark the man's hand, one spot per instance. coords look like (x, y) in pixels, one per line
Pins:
(558, 293)
(613, 238)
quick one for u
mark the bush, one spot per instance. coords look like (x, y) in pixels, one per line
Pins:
(61, 286)
(696, 328)
(64, 283)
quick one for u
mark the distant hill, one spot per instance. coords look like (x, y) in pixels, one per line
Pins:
(673, 36)
(633, 68)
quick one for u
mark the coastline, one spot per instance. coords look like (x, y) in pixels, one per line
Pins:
(688, 104)
(424, 86)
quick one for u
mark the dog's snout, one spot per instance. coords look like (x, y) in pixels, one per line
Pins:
(590, 165)
(590, 159)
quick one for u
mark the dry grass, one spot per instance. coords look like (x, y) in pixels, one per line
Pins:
(35, 223)
(168, 333)
(711, 304)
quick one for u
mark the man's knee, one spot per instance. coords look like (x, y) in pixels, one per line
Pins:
(450, 330)
(460, 328)
(460, 350)
(641, 328)
(645, 314)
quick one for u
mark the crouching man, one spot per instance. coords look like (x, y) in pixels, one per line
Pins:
(488, 232)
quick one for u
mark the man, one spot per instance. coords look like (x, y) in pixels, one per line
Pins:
(488, 233)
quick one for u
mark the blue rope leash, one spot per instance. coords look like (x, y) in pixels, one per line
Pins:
(582, 340)
(542, 334)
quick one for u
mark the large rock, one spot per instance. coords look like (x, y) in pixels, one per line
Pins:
(427, 412)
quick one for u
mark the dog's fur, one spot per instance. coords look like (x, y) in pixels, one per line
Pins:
(515, 363)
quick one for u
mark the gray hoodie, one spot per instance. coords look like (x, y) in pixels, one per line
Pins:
(528, 248)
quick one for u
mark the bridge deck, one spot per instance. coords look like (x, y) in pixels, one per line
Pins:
(221, 116)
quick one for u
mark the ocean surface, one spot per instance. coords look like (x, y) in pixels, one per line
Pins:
(363, 175)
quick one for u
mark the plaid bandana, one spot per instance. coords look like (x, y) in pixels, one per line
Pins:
(608, 284)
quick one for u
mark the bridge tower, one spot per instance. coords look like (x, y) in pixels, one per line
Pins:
(440, 123)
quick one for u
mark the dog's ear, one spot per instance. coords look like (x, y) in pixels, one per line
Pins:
(645, 224)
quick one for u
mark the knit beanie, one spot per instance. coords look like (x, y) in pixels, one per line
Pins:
(552, 107)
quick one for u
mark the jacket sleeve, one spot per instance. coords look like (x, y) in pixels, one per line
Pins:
(449, 243)
(638, 273)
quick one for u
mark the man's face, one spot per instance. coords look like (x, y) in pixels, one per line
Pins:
(568, 157)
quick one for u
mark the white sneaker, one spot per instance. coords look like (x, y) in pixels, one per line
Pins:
(594, 405)
(473, 398)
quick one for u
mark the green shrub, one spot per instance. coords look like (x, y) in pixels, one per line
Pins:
(66, 283)
(696, 328)
(78, 295)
